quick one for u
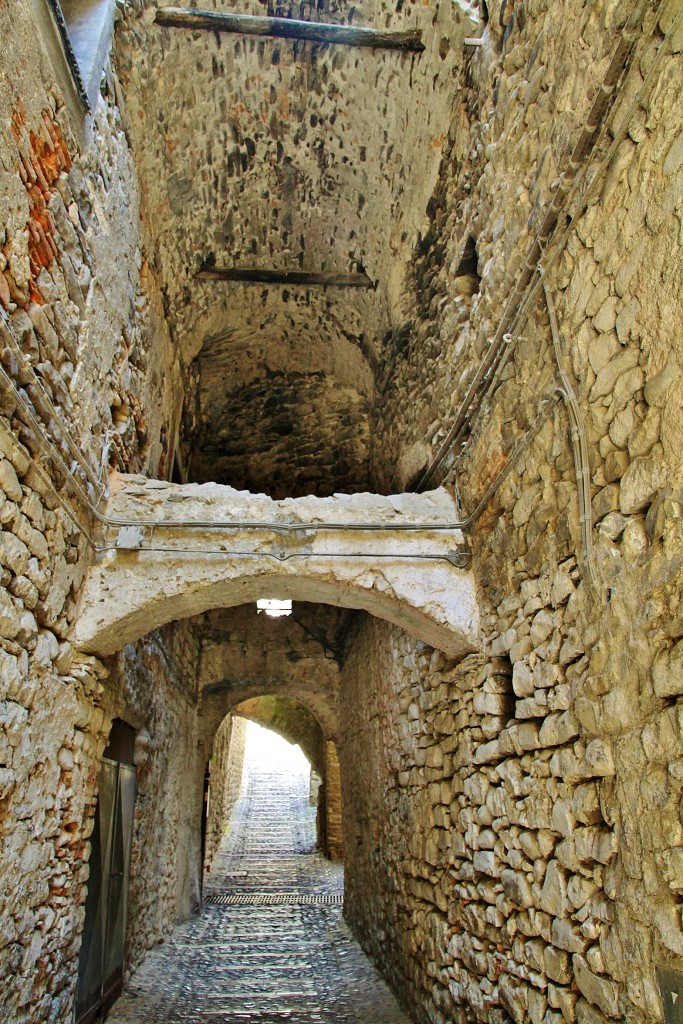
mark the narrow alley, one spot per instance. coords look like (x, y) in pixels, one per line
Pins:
(270, 945)
(341, 392)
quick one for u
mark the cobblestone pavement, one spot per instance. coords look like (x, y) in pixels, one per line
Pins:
(283, 955)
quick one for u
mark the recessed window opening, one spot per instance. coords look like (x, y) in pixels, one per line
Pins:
(273, 607)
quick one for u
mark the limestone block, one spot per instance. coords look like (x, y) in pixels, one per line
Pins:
(605, 501)
(45, 330)
(616, 465)
(562, 818)
(434, 757)
(32, 507)
(517, 888)
(9, 482)
(668, 923)
(13, 449)
(10, 616)
(542, 626)
(531, 707)
(31, 537)
(657, 388)
(673, 869)
(490, 703)
(553, 897)
(667, 672)
(645, 436)
(503, 643)
(606, 380)
(586, 1013)
(488, 753)
(566, 936)
(522, 682)
(674, 158)
(598, 990)
(557, 967)
(486, 839)
(626, 320)
(546, 675)
(621, 427)
(28, 628)
(7, 782)
(486, 862)
(640, 483)
(514, 998)
(626, 388)
(561, 589)
(528, 736)
(13, 719)
(605, 318)
(520, 649)
(21, 587)
(13, 553)
(599, 758)
(564, 1000)
(586, 804)
(558, 729)
(603, 347)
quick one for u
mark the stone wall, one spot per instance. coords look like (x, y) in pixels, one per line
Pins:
(82, 332)
(530, 836)
(511, 823)
(225, 767)
(153, 686)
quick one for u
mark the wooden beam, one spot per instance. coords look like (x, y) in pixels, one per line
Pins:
(288, 28)
(254, 275)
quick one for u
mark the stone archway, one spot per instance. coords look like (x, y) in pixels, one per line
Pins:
(283, 674)
(172, 551)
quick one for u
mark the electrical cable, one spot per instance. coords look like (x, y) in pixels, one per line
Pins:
(456, 558)
(580, 451)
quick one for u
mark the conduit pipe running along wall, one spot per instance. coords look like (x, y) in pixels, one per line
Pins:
(489, 370)
(458, 558)
(580, 450)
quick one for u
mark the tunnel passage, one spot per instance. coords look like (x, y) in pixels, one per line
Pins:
(270, 944)
(177, 550)
(286, 717)
(278, 395)
(516, 853)
(283, 673)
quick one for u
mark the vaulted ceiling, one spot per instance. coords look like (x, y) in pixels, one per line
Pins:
(280, 155)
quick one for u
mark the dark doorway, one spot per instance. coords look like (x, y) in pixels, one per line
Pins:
(100, 968)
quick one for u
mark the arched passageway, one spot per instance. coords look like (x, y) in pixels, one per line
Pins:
(292, 719)
(171, 551)
(271, 944)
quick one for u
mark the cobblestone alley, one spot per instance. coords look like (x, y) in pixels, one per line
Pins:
(277, 949)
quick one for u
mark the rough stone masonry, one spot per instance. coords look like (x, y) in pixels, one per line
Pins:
(511, 811)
